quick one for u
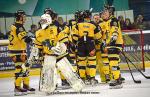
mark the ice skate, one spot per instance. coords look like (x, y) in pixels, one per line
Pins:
(65, 84)
(29, 89)
(122, 79)
(115, 84)
(107, 78)
(19, 91)
(93, 81)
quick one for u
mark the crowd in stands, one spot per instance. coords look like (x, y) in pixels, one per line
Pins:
(139, 23)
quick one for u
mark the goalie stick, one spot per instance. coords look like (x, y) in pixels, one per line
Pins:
(135, 81)
(147, 77)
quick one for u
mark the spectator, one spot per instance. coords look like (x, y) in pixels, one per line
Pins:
(39, 25)
(1, 35)
(62, 24)
(128, 25)
(121, 21)
(96, 19)
(31, 32)
(7, 35)
(140, 23)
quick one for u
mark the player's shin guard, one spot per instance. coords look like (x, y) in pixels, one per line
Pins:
(92, 69)
(100, 66)
(82, 67)
(114, 66)
(87, 72)
(18, 81)
(92, 66)
(115, 71)
(106, 68)
(73, 58)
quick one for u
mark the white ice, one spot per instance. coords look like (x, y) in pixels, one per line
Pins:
(130, 89)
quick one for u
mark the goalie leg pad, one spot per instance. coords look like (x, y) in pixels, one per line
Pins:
(49, 75)
(69, 73)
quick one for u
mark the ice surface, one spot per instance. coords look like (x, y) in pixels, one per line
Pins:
(130, 89)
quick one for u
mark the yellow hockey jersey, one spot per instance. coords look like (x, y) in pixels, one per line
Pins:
(91, 31)
(109, 28)
(16, 38)
(42, 35)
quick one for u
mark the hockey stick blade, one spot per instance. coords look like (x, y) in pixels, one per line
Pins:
(147, 77)
(135, 81)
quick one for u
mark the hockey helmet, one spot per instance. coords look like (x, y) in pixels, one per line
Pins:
(45, 20)
(87, 14)
(19, 14)
(111, 9)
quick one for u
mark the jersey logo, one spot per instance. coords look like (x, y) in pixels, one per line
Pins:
(86, 26)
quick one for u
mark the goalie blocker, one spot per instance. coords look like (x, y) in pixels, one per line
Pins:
(60, 62)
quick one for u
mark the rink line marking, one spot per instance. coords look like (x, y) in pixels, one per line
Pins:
(36, 71)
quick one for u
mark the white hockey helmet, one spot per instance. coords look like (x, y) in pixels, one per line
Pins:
(45, 20)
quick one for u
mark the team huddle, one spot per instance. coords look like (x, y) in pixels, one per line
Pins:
(74, 51)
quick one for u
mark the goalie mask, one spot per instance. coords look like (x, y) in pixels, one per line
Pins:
(45, 20)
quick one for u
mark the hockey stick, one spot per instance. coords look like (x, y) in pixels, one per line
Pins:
(135, 81)
(147, 77)
(40, 78)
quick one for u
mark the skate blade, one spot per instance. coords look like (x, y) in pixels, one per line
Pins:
(116, 87)
(63, 87)
(31, 92)
(123, 81)
(20, 93)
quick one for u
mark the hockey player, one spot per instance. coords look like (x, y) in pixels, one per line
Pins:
(85, 37)
(17, 50)
(104, 66)
(46, 39)
(110, 47)
(97, 20)
(62, 35)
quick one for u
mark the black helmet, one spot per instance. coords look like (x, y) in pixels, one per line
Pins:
(78, 15)
(54, 15)
(87, 14)
(111, 9)
(48, 11)
(19, 13)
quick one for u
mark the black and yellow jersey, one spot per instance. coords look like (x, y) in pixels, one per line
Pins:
(109, 28)
(90, 30)
(17, 34)
(42, 35)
